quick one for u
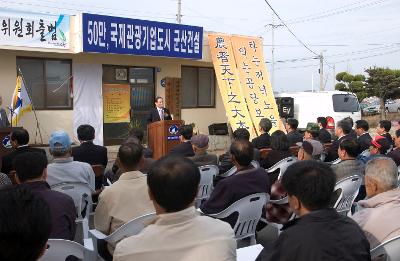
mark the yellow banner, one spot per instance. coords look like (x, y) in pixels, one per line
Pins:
(116, 103)
(229, 84)
(257, 90)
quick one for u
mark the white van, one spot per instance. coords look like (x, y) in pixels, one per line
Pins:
(334, 105)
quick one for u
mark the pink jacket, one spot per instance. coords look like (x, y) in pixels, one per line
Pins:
(379, 217)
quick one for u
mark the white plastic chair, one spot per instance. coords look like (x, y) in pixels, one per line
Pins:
(60, 249)
(234, 169)
(81, 193)
(282, 165)
(388, 250)
(349, 190)
(249, 211)
(133, 227)
(398, 176)
(207, 175)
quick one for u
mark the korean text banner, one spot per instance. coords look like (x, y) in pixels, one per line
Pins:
(228, 82)
(34, 30)
(108, 34)
(116, 103)
(254, 80)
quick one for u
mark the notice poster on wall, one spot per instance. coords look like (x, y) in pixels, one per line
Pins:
(116, 103)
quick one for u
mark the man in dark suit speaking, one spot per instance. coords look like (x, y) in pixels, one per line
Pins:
(159, 113)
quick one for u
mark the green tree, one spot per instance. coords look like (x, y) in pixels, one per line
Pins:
(351, 83)
(383, 83)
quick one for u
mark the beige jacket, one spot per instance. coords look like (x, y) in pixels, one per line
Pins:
(180, 236)
(123, 201)
(379, 217)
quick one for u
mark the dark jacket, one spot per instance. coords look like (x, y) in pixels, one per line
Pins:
(184, 149)
(262, 142)
(324, 136)
(333, 150)
(7, 160)
(154, 116)
(395, 155)
(62, 209)
(90, 153)
(225, 162)
(273, 157)
(365, 141)
(294, 137)
(389, 138)
(202, 159)
(235, 187)
(3, 119)
(320, 235)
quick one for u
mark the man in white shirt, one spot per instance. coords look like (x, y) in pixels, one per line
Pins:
(179, 232)
(127, 198)
(64, 168)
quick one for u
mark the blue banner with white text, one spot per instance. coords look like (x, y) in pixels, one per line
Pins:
(108, 34)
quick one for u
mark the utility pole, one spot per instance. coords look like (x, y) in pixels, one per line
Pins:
(321, 71)
(273, 27)
(334, 76)
(179, 14)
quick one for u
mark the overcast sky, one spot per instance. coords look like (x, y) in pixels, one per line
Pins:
(353, 34)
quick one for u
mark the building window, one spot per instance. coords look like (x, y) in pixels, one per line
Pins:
(198, 87)
(48, 82)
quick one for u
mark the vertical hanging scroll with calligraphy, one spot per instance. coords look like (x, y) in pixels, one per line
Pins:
(229, 84)
(253, 75)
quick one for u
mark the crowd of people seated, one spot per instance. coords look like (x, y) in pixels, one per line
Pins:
(137, 185)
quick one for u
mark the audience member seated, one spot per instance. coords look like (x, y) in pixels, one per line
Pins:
(324, 135)
(379, 147)
(184, 149)
(280, 150)
(25, 225)
(225, 160)
(395, 153)
(383, 130)
(342, 131)
(179, 232)
(379, 214)
(64, 168)
(200, 146)
(89, 152)
(364, 139)
(246, 181)
(264, 140)
(113, 174)
(127, 198)
(306, 150)
(4, 180)
(19, 139)
(139, 134)
(319, 232)
(349, 165)
(312, 135)
(353, 133)
(31, 174)
(293, 135)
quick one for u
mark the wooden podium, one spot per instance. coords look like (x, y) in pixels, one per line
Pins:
(163, 136)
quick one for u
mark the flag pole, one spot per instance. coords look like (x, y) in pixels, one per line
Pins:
(33, 107)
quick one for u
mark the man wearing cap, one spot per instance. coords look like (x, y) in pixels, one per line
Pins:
(312, 136)
(64, 168)
(201, 157)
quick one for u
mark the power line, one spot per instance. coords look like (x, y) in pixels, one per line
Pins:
(290, 31)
